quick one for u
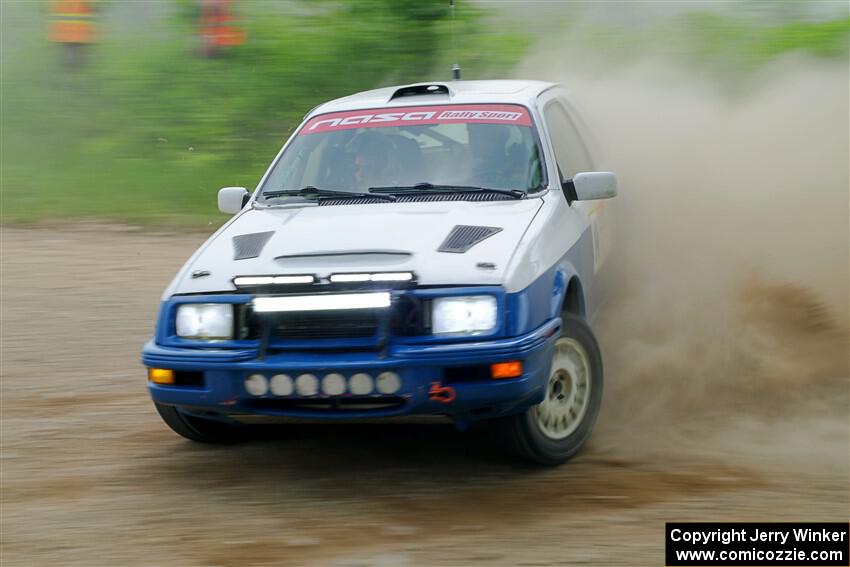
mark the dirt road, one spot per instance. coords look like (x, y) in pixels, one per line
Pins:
(90, 476)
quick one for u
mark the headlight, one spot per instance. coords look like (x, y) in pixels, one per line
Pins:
(205, 321)
(465, 314)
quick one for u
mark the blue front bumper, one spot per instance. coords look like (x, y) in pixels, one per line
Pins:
(224, 371)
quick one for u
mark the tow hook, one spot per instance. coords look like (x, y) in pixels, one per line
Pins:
(442, 394)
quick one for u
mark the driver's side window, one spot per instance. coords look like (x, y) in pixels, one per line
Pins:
(570, 152)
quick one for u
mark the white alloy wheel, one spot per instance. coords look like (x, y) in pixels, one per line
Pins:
(567, 393)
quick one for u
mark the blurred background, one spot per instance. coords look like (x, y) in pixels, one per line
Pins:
(725, 341)
(139, 111)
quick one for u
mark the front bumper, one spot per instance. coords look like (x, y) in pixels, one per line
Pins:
(223, 393)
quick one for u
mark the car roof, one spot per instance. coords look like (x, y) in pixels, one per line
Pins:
(439, 92)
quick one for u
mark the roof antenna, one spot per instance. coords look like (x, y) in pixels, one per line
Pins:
(455, 67)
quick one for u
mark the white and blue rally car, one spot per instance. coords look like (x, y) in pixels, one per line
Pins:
(436, 248)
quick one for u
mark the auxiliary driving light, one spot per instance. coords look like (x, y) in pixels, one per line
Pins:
(281, 385)
(360, 384)
(256, 384)
(372, 277)
(349, 278)
(307, 385)
(246, 281)
(161, 376)
(388, 382)
(333, 384)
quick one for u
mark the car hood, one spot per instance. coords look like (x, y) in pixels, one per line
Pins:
(353, 238)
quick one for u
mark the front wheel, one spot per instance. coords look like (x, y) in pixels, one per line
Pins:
(198, 428)
(555, 430)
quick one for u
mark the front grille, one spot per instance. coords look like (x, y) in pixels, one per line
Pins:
(356, 323)
(407, 317)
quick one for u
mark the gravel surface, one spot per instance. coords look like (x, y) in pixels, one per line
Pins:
(91, 476)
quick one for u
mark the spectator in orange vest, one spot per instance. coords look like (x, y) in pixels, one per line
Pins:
(72, 23)
(218, 27)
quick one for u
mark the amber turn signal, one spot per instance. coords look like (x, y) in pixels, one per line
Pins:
(510, 369)
(161, 376)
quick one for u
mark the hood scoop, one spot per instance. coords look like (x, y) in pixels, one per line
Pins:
(350, 260)
(464, 236)
(250, 245)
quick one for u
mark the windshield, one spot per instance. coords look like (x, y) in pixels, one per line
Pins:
(484, 145)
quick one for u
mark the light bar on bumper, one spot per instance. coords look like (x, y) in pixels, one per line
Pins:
(249, 281)
(328, 302)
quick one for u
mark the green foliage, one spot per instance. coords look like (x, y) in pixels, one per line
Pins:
(733, 43)
(147, 130)
(721, 38)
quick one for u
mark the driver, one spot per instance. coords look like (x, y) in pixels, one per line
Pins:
(492, 164)
(371, 156)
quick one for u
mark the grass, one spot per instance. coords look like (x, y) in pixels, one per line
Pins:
(147, 131)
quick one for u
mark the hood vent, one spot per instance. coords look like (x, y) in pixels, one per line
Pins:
(463, 237)
(250, 245)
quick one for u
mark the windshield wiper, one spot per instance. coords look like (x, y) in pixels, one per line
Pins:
(420, 188)
(315, 192)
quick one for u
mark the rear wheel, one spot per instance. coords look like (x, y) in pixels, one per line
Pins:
(555, 430)
(198, 428)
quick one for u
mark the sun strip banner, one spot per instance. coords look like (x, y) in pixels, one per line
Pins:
(413, 115)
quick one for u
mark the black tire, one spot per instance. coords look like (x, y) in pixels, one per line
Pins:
(197, 428)
(522, 430)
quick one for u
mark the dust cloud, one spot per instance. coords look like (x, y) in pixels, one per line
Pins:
(727, 332)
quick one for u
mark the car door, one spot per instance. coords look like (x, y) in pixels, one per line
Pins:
(573, 156)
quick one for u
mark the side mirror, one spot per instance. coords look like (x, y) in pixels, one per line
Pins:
(232, 199)
(591, 185)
